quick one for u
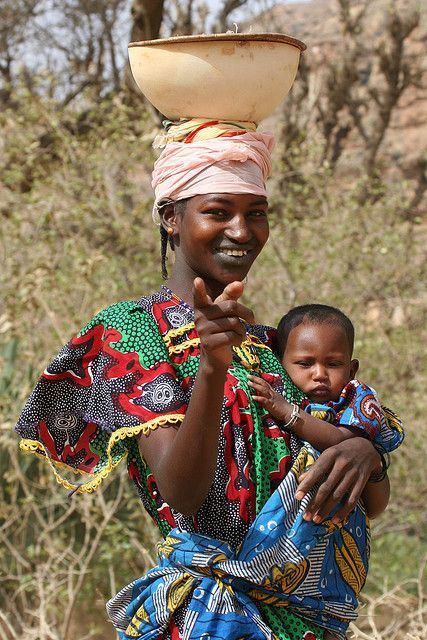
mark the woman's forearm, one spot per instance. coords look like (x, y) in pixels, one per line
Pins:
(376, 496)
(183, 461)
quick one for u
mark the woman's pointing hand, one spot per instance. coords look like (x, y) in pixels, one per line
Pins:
(220, 322)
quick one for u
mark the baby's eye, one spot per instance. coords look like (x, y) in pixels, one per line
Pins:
(303, 363)
(334, 364)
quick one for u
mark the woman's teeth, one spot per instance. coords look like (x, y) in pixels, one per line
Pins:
(234, 252)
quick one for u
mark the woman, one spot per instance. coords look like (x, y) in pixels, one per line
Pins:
(164, 380)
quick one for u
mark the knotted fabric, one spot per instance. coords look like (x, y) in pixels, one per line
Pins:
(230, 161)
(198, 129)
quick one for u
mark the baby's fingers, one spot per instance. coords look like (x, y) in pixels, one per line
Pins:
(258, 383)
(262, 400)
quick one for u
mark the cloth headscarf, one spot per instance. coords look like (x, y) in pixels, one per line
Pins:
(205, 156)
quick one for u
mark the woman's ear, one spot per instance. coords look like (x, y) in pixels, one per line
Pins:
(354, 368)
(168, 217)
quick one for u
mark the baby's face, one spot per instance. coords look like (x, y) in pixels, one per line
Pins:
(318, 359)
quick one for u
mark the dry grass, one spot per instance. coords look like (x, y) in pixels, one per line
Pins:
(394, 615)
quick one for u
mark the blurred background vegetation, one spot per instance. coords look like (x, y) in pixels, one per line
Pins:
(347, 201)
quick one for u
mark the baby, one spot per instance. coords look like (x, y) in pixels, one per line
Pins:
(315, 344)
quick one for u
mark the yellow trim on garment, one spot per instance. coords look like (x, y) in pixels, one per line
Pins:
(179, 331)
(249, 360)
(174, 333)
(178, 348)
(38, 449)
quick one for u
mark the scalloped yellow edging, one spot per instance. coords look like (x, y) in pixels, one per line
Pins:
(38, 449)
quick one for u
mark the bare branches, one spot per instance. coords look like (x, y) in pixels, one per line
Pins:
(394, 75)
(359, 89)
(395, 615)
(52, 546)
(147, 16)
(14, 18)
(228, 6)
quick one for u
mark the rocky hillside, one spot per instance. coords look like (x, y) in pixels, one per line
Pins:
(317, 23)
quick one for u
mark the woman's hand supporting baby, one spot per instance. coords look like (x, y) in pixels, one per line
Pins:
(343, 468)
(343, 471)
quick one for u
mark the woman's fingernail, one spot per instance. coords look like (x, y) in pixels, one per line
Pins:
(307, 516)
(299, 495)
(317, 519)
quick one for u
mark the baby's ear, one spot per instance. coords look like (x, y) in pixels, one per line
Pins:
(354, 368)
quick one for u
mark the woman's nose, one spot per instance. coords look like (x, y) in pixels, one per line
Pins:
(238, 229)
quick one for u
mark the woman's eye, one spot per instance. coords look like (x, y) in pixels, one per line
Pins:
(215, 212)
(258, 214)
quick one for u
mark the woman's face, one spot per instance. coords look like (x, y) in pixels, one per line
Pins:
(218, 236)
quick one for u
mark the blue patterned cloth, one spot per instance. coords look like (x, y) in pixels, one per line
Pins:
(359, 407)
(315, 570)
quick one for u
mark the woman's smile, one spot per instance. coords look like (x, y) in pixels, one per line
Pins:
(235, 255)
(218, 237)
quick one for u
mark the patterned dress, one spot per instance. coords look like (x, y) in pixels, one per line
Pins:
(131, 371)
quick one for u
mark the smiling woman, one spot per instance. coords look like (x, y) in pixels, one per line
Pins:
(165, 381)
(216, 237)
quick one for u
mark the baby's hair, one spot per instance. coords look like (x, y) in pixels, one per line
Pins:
(311, 313)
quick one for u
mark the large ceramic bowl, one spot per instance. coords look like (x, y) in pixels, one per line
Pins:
(224, 76)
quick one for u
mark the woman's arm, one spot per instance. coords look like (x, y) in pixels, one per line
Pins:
(183, 460)
(321, 435)
(376, 496)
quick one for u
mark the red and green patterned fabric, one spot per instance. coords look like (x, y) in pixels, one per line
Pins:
(131, 371)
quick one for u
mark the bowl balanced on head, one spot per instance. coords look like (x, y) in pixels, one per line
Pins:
(226, 76)
(164, 380)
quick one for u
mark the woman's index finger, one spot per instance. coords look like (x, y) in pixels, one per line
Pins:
(308, 480)
(200, 296)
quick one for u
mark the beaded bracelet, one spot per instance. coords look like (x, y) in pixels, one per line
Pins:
(385, 463)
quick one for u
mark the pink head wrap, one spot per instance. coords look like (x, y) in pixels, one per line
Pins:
(236, 164)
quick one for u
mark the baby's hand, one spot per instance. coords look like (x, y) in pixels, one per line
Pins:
(268, 398)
